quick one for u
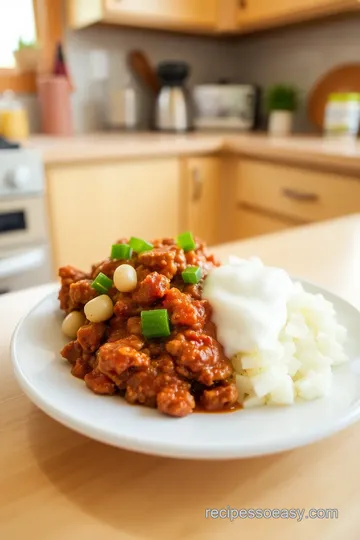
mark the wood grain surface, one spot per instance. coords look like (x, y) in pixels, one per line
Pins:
(56, 484)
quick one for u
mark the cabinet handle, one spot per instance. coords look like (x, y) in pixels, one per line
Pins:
(301, 196)
(242, 4)
(197, 184)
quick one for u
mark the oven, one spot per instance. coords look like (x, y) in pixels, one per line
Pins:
(25, 259)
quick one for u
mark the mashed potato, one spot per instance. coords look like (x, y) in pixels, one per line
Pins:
(283, 341)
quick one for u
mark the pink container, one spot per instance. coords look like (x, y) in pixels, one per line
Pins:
(55, 105)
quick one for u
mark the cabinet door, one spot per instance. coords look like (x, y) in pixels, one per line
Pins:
(251, 223)
(92, 206)
(181, 13)
(201, 183)
(258, 13)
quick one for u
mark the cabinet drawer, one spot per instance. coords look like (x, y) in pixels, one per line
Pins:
(297, 193)
(251, 223)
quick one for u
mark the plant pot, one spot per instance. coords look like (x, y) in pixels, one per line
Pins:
(27, 59)
(280, 123)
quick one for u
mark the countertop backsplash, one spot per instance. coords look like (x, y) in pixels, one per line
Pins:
(296, 55)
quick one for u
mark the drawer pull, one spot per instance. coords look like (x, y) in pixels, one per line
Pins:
(300, 196)
(242, 4)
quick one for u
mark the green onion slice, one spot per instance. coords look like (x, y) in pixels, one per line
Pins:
(192, 274)
(121, 251)
(102, 283)
(155, 323)
(186, 241)
(139, 245)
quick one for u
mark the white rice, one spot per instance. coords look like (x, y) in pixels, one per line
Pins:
(300, 366)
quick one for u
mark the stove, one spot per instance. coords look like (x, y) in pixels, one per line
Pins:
(24, 240)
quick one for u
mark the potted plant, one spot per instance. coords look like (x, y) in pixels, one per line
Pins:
(27, 55)
(281, 101)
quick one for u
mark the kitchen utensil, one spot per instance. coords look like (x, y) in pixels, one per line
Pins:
(141, 67)
(344, 78)
(222, 106)
(173, 107)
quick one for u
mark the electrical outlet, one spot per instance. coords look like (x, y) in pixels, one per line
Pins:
(99, 62)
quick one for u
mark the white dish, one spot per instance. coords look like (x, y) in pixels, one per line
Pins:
(45, 377)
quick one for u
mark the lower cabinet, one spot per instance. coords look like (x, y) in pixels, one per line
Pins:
(91, 206)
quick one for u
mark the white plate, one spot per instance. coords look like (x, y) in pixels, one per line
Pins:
(45, 377)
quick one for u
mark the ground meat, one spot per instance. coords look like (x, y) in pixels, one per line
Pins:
(160, 242)
(219, 398)
(81, 367)
(183, 310)
(202, 259)
(167, 260)
(125, 307)
(174, 373)
(175, 400)
(72, 351)
(133, 326)
(116, 329)
(118, 357)
(193, 290)
(151, 388)
(81, 292)
(90, 336)
(200, 357)
(107, 267)
(152, 288)
(99, 383)
(68, 275)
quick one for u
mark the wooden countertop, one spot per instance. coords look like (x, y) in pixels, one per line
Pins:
(301, 150)
(57, 485)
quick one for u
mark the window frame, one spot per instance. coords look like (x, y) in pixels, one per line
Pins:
(49, 29)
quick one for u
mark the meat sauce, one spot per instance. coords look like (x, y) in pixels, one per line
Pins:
(185, 372)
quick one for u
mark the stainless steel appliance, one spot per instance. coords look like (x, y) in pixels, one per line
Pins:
(24, 248)
(173, 105)
(225, 106)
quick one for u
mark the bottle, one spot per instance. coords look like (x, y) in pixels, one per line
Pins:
(122, 105)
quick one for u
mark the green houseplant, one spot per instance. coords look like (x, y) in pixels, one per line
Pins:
(281, 103)
(27, 55)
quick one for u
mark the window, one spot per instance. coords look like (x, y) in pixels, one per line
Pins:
(16, 21)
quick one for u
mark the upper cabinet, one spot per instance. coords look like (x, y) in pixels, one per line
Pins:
(202, 16)
(257, 14)
(192, 15)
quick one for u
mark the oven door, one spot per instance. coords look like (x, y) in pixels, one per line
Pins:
(22, 221)
(26, 267)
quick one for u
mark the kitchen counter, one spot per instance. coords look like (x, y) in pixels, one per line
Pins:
(56, 484)
(300, 150)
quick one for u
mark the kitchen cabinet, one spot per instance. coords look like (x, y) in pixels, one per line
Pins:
(201, 195)
(253, 14)
(91, 206)
(270, 197)
(166, 14)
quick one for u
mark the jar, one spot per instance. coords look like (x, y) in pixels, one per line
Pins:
(14, 122)
(342, 115)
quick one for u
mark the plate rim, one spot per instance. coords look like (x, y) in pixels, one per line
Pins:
(172, 450)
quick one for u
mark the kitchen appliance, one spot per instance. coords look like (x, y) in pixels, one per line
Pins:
(173, 111)
(225, 106)
(24, 249)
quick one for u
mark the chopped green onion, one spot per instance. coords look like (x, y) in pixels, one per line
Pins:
(102, 283)
(139, 245)
(155, 323)
(192, 274)
(186, 241)
(121, 251)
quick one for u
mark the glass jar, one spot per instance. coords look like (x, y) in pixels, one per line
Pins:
(342, 115)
